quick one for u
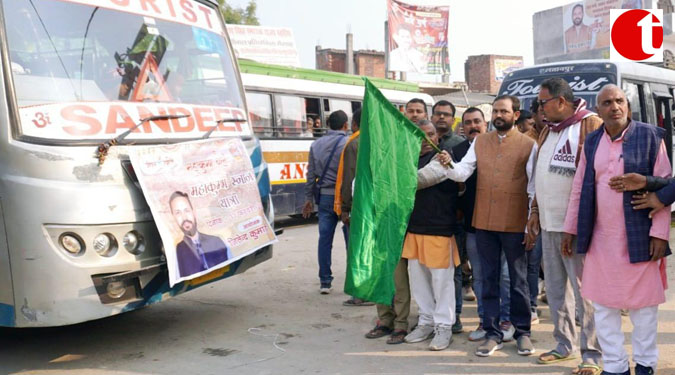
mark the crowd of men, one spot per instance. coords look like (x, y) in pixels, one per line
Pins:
(579, 195)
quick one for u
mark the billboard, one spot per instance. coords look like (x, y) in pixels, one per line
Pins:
(577, 30)
(418, 40)
(506, 66)
(269, 45)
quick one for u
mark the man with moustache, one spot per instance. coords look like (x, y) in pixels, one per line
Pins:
(624, 247)
(504, 160)
(473, 122)
(559, 149)
(197, 251)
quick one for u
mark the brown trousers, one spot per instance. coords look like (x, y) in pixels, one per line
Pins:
(396, 315)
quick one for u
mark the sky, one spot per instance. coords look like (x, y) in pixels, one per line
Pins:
(476, 27)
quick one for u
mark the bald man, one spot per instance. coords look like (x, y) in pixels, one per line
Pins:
(624, 247)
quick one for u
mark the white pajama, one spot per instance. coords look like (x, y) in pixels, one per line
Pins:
(611, 338)
(434, 291)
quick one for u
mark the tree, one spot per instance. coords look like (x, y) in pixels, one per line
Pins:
(239, 16)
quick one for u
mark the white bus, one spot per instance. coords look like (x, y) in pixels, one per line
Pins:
(648, 88)
(288, 108)
(77, 239)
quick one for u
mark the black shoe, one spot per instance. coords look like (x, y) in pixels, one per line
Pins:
(643, 370)
(457, 327)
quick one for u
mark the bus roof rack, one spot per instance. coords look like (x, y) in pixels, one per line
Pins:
(253, 67)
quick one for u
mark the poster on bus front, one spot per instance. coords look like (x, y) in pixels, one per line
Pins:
(205, 201)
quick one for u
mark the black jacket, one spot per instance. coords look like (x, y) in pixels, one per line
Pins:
(435, 211)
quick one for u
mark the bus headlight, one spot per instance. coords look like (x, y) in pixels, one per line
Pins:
(105, 244)
(133, 242)
(71, 243)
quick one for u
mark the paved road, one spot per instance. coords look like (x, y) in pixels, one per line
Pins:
(270, 320)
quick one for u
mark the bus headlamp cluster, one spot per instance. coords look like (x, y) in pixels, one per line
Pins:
(105, 244)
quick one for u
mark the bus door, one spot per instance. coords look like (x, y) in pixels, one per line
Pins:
(663, 101)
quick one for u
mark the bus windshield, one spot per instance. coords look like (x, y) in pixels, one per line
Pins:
(585, 79)
(91, 69)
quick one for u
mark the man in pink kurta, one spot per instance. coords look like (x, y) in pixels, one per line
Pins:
(610, 280)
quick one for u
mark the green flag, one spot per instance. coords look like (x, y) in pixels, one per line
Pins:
(384, 196)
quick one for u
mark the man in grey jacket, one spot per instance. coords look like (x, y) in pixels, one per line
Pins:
(324, 158)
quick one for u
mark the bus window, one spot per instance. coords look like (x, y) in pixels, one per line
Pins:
(345, 105)
(632, 91)
(313, 110)
(260, 113)
(291, 116)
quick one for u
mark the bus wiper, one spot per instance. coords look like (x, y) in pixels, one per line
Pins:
(103, 148)
(222, 121)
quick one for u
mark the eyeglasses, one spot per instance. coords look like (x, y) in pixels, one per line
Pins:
(443, 114)
(543, 102)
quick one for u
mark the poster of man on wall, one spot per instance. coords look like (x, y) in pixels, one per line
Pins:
(205, 201)
(418, 38)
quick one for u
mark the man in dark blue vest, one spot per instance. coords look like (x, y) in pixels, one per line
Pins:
(624, 247)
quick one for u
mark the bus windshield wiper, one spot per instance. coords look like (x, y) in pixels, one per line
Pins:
(103, 148)
(222, 121)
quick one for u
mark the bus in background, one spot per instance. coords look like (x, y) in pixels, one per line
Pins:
(288, 109)
(649, 89)
(77, 239)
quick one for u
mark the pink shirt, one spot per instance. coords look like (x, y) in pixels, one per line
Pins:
(609, 278)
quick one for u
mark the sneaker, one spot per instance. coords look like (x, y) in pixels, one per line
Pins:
(421, 333)
(457, 327)
(643, 370)
(325, 289)
(524, 345)
(478, 334)
(442, 338)
(535, 318)
(508, 330)
(468, 293)
(488, 347)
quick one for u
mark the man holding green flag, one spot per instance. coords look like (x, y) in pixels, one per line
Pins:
(384, 196)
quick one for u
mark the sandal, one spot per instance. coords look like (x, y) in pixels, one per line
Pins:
(357, 302)
(557, 357)
(378, 331)
(587, 369)
(397, 337)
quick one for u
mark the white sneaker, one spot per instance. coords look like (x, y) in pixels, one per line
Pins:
(325, 290)
(535, 318)
(442, 337)
(478, 334)
(508, 330)
(420, 333)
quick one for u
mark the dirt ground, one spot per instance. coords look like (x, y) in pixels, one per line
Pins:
(272, 320)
